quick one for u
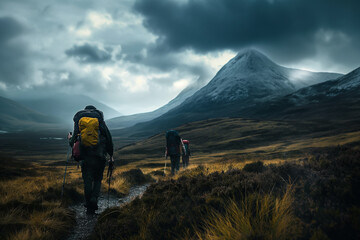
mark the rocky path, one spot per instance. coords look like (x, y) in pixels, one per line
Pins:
(86, 223)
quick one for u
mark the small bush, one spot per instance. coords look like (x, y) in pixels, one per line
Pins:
(136, 177)
(256, 167)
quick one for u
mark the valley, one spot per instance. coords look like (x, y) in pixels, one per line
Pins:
(255, 129)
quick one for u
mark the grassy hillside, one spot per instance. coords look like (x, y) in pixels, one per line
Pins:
(234, 140)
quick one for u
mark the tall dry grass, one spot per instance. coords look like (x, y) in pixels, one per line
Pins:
(257, 216)
(118, 184)
(30, 204)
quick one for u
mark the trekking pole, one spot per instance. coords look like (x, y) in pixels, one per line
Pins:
(183, 146)
(66, 165)
(109, 174)
(165, 160)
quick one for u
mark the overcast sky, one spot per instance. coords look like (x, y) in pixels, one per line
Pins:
(136, 55)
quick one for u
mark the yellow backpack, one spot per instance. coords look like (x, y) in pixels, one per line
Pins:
(89, 131)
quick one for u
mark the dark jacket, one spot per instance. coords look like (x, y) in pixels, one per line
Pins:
(107, 145)
(173, 143)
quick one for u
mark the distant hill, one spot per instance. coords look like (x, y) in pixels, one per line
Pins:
(15, 117)
(130, 120)
(65, 106)
(336, 99)
(248, 80)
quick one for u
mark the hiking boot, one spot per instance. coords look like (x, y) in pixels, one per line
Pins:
(90, 211)
(91, 205)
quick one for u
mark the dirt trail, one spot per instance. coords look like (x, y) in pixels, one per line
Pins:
(86, 223)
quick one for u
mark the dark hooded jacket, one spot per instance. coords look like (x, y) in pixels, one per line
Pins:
(106, 143)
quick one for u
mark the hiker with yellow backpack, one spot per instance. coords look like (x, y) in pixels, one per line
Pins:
(91, 141)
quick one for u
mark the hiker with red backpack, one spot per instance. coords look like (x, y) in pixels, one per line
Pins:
(91, 141)
(186, 154)
(173, 145)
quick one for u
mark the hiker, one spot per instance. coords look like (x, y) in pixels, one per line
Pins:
(186, 154)
(95, 142)
(173, 142)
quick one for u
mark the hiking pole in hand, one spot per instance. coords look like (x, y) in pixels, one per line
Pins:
(67, 161)
(183, 146)
(165, 160)
(109, 174)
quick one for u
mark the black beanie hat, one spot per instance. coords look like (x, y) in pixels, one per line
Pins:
(90, 107)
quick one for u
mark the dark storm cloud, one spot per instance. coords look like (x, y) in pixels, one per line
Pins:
(14, 64)
(166, 61)
(233, 24)
(89, 53)
(9, 28)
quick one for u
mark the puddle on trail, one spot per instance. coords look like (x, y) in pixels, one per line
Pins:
(86, 223)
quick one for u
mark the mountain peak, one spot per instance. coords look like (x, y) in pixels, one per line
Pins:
(249, 52)
(252, 58)
(247, 61)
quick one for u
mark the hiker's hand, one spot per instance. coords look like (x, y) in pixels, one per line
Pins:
(111, 162)
(69, 136)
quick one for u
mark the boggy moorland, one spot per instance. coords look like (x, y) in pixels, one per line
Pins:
(250, 180)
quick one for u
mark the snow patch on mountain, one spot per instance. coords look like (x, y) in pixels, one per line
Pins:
(312, 94)
(349, 81)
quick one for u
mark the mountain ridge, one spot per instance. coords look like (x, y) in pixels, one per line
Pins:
(130, 120)
(65, 106)
(15, 116)
(246, 81)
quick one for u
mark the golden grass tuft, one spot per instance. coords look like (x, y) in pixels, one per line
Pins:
(257, 216)
(119, 184)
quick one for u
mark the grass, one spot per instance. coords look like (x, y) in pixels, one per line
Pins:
(30, 183)
(236, 140)
(30, 198)
(256, 216)
(30, 204)
(317, 198)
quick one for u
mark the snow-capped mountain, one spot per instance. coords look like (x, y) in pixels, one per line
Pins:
(248, 80)
(252, 75)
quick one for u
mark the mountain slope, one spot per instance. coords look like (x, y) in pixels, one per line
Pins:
(14, 117)
(335, 99)
(246, 81)
(130, 120)
(65, 106)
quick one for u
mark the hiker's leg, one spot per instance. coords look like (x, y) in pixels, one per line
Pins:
(187, 161)
(177, 163)
(98, 176)
(88, 181)
(173, 160)
(183, 161)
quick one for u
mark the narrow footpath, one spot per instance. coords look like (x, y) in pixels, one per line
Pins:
(86, 223)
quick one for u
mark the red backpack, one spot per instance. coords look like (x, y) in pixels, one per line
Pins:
(76, 151)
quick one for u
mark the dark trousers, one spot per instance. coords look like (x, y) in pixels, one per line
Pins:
(92, 169)
(185, 160)
(175, 162)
